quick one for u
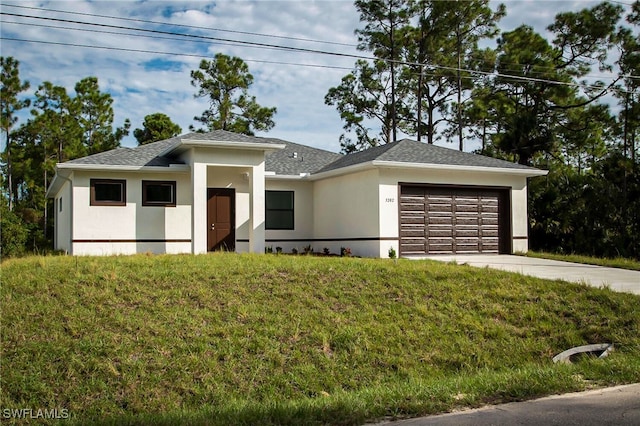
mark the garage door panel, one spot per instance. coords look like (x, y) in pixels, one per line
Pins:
(490, 233)
(450, 220)
(441, 220)
(412, 222)
(434, 208)
(472, 232)
(467, 208)
(467, 221)
(413, 241)
(412, 233)
(441, 232)
(490, 222)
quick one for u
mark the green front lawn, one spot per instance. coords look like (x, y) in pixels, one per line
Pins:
(265, 339)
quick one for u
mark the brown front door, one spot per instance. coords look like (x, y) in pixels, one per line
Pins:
(221, 219)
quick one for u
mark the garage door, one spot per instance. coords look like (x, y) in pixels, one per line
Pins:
(444, 220)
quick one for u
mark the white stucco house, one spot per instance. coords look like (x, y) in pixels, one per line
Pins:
(202, 192)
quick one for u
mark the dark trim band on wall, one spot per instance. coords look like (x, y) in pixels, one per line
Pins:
(133, 241)
(316, 240)
(520, 238)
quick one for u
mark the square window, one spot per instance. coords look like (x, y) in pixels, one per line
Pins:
(159, 193)
(108, 192)
(279, 210)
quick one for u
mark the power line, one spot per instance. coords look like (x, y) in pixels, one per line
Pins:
(157, 52)
(193, 37)
(154, 37)
(201, 56)
(144, 21)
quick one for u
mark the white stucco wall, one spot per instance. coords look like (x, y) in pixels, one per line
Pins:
(63, 218)
(119, 229)
(346, 213)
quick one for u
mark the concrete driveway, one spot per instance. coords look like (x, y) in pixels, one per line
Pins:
(620, 280)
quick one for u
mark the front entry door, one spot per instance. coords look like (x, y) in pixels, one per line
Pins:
(221, 233)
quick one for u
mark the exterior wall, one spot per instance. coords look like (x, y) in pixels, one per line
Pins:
(302, 233)
(389, 186)
(63, 218)
(345, 213)
(102, 230)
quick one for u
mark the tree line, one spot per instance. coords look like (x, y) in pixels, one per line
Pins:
(529, 99)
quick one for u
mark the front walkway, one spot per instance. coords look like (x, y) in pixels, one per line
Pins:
(621, 280)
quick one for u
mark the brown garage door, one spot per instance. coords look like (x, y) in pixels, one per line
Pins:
(447, 220)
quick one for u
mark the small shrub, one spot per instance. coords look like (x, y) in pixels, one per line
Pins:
(345, 252)
(326, 251)
(278, 250)
(268, 249)
(392, 253)
(308, 249)
(294, 251)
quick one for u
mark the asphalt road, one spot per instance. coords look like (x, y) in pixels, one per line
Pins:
(618, 406)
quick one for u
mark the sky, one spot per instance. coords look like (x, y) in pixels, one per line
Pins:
(150, 74)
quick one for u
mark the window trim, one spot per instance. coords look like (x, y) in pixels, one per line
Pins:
(147, 203)
(292, 210)
(94, 202)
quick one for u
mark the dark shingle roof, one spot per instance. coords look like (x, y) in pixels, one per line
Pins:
(295, 159)
(144, 155)
(151, 154)
(226, 136)
(408, 151)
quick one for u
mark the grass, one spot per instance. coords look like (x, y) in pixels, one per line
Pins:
(619, 262)
(243, 339)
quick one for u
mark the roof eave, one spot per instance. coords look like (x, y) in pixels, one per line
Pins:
(273, 176)
(57, 182)
(226, 144)
(529, 172)
(172, 168)
(343, 170)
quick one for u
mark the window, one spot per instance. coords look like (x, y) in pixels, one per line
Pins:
(279, 209)
(108, 192)
(158, 193)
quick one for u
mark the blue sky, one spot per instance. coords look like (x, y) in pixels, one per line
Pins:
(146, 82)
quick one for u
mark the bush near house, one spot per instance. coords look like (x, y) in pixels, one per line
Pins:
(248, 339)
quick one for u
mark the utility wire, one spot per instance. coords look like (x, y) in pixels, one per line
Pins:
(144, 21)
(190, 36)
(157, 52)
(202, 56)
(243, 32)
(153, 37)
(298, 49)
